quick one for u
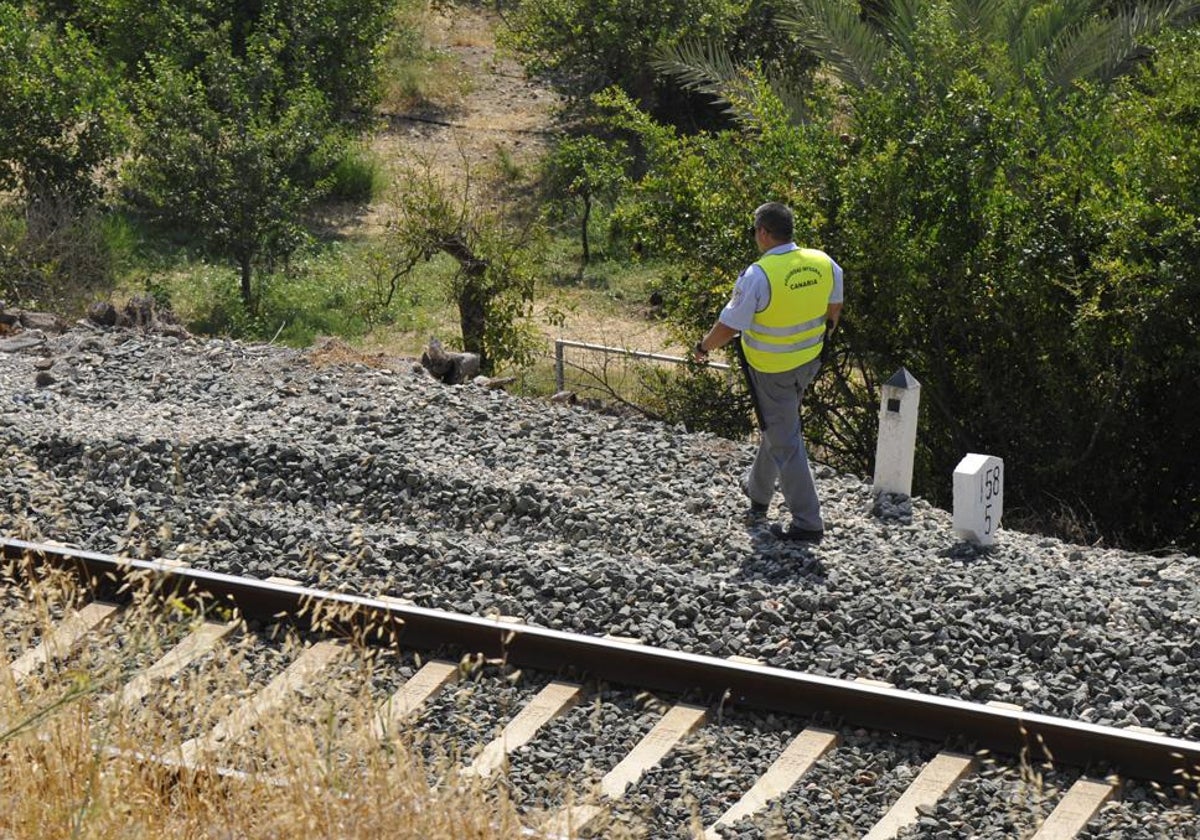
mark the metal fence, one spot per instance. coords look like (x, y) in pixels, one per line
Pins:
(606, 372)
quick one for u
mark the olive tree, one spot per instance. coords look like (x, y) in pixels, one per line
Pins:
(492, 246)
(589, 170)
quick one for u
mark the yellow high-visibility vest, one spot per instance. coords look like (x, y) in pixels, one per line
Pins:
(790, 331)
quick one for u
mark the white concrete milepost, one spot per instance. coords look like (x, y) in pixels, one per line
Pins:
(897, 438)
(978, 497)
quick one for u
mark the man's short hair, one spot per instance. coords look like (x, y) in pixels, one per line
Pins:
(776, 219)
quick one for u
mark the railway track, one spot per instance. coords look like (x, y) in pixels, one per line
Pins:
(538, 692)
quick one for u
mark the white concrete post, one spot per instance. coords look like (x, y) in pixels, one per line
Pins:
(978, 497)
(897, 434)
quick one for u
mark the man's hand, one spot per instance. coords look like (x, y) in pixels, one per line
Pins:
(827, 342)
(716, 338)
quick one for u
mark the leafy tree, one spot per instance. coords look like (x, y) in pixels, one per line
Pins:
(872, 44)
(1140, 323)
(585, 46)
(1060, 43)
(231, 149)
(1015, 244)
(693, 208)
(333, 46)
(61, 127)
(590, 170)
(695, 202)
(977, 211)
(493, 284)
(60, 118)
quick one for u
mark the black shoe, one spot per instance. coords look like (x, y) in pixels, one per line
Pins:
(757, 510)
(794, 534)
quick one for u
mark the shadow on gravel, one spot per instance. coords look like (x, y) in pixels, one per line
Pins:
(967, 551)
(773, 561)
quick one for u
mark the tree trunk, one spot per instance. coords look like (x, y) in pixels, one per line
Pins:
(583, 234)
(472, 302)
(472, 320)
(247, 289)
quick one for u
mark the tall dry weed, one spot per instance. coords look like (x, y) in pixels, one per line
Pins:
(74, 763)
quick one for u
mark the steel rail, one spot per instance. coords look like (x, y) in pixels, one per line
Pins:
(1135, 754)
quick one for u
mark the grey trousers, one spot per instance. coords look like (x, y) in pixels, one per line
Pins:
(782, 456)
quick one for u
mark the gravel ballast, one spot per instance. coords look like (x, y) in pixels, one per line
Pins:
(262, 460)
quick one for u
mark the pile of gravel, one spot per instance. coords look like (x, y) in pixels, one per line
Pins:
(271, 461)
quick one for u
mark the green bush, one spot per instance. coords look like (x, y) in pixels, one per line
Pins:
(357, 176)
(1027, 253)
(61, 116)
(321, 292)
(1139, 321)
(700, 399)
(1042, 303)
(588, 45)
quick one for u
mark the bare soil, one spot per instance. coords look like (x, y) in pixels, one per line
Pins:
(490, 110)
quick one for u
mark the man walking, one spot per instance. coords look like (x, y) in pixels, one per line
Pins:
(783, 305)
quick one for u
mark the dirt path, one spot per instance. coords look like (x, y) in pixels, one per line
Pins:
(498, 113)
(497, 117)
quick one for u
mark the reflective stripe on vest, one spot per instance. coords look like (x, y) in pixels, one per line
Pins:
(791, 330)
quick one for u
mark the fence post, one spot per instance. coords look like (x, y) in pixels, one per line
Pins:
(560, 381)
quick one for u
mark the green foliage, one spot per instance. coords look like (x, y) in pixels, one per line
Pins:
(1140, 320)
(242, 111)
(695, 203)
(989, 247)
(60, 117)
(55, 255)
(494, 248)
(588, 169)
(319, 294)
(231, 150)
(588, 45)
(1027, 251)
(1057, 44)
(710, 69)
(957, 256)
(336, 45)
(358, 176)
(701, 399)
(333, 46)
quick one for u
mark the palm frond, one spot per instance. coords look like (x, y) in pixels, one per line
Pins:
(1104, 49)
(832, 29)
(979, 19)
(708, 68)
(791, 93)
(1137, 23)
(901, 18)
(703, 66)
(1079, 52)
(1036, 29)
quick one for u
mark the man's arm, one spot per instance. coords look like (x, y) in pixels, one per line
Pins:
(717, 337)
(833, 312)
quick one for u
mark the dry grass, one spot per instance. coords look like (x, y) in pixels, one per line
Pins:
(328, 352)
(67, 752)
